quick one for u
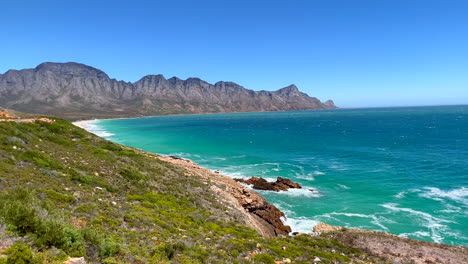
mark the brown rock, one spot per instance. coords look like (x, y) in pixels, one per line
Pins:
(322, 227)
(281, 184)
(75, 261)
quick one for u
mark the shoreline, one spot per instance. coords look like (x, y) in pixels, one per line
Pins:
(192, 114)
(254, 211)
(283, 111)
(192, 166)
(83, 124)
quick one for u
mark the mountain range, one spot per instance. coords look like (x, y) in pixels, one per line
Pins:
(77, 91)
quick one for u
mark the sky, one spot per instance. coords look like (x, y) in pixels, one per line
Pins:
(360, 53)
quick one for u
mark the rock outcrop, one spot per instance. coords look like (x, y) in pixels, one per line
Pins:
(253, 210)
(322, 227)
(281, 184)
(74, 91)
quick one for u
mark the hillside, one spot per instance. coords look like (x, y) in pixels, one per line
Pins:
(77, 91)
(66, 193)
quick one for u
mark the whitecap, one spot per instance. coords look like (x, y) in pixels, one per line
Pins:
(300, 224)
(304, 192)
(434, 224)
(418, 234)
(234, 174)
(376, 220)
(400, 195)
(96, 129)
(458, 195)
(450, 209)
(342, 186)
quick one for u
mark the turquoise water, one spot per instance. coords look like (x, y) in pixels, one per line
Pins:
(398, 170)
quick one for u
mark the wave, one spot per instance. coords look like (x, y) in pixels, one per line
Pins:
(300, 224)
(434, 224)
(239, 157)
(450, 209)
(458, 195)
(342, 186)
(96, 129)
(308, 192)
(419, 234)
(400, 195)
(249, 170)
(375, 220)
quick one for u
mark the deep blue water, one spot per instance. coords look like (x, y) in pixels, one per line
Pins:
(398, 170)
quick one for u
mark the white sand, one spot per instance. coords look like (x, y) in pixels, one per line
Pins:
(83, 123)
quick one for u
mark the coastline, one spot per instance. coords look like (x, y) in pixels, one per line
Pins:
(82, 123)
(302, 227)
(254, 211)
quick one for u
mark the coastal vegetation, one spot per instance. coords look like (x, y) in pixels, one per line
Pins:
(65, 193)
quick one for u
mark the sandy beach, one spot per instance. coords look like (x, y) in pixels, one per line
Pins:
(83, 123)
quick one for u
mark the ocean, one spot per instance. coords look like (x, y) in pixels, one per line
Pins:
(399, 170)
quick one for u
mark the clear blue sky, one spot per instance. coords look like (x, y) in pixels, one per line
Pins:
(359, 53)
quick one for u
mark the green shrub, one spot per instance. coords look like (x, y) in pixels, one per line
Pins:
(171, 249)
(131, 174)
(263, 259)
(17, 211)
(60, 235)
(40, 159)
(59, 197)
(20, 254)
(20, 210)
(108, 248)
(111, 146)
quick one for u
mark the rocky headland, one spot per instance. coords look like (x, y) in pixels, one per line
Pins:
(254, 210)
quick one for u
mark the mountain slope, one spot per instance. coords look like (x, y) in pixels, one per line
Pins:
(74, 90)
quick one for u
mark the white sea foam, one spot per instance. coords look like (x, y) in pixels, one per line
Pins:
(251, 170)
(96, 129)
(450, 209)
(234, 174)
(300, 224)
(376, 220)
(185, 155)
(458, 195)
(304, 192)
(342, 186)
(418, 234)
(403, 194)
(433, 223)
(400, 195)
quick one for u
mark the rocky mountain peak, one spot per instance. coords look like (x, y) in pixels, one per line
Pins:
(71, 69)
(330, 103)
(289, 90)
(73, 90)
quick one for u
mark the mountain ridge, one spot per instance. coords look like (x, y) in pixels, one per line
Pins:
(76, 91)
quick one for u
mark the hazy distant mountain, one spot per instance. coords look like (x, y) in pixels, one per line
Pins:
(74, 90)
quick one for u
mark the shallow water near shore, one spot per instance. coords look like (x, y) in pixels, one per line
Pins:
(398, 170)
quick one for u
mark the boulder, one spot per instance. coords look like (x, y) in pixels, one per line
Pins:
(75, 261)
(322, 227)
(281, 184)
